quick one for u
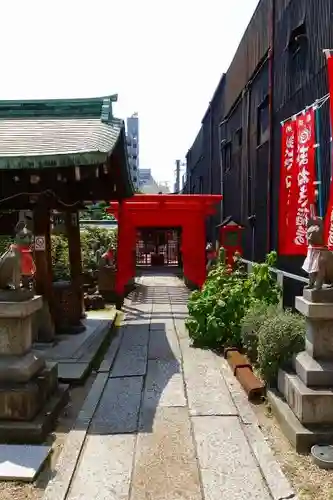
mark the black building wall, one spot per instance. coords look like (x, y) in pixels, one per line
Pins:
(278, 69)
(300, 77)
(203, 166)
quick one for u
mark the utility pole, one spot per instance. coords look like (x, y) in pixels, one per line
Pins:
(177, 183)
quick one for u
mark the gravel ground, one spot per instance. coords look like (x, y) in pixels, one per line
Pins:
(21, 491)
(310, 482)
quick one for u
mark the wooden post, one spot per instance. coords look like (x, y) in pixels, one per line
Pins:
(43, 277)
(75, 260)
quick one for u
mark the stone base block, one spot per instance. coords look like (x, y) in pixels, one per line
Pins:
(45, 330)
(20, 368)
(16, 326)
(313, 373)
(310, 405)
(24, 401)
(36, 431)
(319, 296)
(314, 310)
(319, 339)
(16, 295)
(301, 437)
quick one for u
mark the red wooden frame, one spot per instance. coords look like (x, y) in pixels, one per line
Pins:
(186, 211)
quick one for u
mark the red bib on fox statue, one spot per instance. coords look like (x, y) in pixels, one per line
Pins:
(28, 267)
(23, 241)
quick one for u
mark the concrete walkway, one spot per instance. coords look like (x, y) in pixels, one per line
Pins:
(167, 422)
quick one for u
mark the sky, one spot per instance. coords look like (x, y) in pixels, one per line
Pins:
(163, 59)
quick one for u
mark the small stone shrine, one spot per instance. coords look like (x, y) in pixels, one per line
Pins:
(30, 398)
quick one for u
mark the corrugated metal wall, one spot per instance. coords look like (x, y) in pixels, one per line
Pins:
(250, 52)
(203, 159)
(299, 79)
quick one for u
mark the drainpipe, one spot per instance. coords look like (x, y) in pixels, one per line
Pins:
(250, 174)
(271, 124)
(211, 148)
(221, 142)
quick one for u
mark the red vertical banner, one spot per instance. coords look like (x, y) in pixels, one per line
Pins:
(288, 158)
(329, 212)
(300, 182)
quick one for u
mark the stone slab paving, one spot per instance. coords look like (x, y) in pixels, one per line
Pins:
(165, 461)
(104, 471)
(21, 462)
(227, 464)
(133, 352)
(164, 385)
(118, 411)
(164, 345)
(170, 424)
(206, 389)
(75, 354)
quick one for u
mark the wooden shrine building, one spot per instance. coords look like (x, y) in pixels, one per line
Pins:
(59, 155)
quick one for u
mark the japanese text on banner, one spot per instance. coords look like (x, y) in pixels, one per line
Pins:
(305, 169)
(288, 157)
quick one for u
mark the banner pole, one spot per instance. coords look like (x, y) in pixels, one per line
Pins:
(319, 165)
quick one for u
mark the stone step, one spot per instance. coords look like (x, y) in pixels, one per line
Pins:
(310, 405)
(312, 372)
(301, 437)
(23, 401)
(36, 430)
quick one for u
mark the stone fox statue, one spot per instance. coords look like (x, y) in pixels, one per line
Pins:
(319, 260)
(16, 261)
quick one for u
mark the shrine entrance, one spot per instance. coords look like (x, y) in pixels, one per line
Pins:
(158, 215)
(158, 246)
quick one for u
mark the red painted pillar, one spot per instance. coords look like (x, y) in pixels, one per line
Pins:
(122, 254)
(193, 248)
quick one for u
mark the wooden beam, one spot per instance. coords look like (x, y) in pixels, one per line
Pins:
(75, 259)
(43, 261)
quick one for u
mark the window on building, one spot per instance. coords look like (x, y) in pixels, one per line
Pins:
(200, 184)
(263, 122)
(298, 56)
(298, 41)
(135, 179)
(135, 157)
(239, 137)
(227, 155)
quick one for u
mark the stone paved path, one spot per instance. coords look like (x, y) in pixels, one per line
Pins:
(172, 423)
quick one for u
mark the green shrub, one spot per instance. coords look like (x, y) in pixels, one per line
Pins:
(216, 312)
(5, 241)
(60, 259)
(251, 323)
(279, 338)
(92, 239)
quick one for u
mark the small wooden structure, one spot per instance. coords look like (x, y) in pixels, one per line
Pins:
(230, 238)
(187, 212)
(59, 155)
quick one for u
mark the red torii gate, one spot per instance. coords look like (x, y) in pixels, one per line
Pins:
(187, 211)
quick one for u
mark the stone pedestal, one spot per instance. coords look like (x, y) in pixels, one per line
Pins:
(68, 308)
(308, 388)
(27, 383)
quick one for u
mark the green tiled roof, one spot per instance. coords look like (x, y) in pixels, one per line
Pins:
(35, 134)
